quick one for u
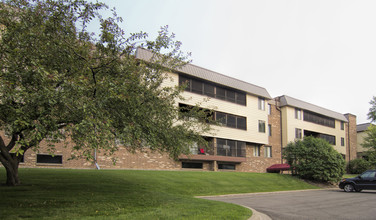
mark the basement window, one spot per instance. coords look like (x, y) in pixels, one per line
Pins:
(190, 165)
(45, 158)
(226, 166)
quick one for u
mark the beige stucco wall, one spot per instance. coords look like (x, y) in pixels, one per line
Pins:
(251, 112)
(360, 138)
(289, 123)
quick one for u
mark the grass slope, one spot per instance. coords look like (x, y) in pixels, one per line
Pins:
(131, 194)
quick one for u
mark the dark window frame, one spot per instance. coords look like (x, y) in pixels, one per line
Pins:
(226, 166)
(224, 120)
(234, 148)
(270, 151)
(226, 94)
(318, 119)
(192, 165)
(49, 159)
(298, 133)
(261, 103)
(269, 130)
(261, 126)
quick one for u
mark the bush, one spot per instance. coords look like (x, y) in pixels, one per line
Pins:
(358, 166)
(314, 159)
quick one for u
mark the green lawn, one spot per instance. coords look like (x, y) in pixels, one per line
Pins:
(130, 194)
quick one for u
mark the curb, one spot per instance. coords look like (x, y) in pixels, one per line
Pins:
(257, 215)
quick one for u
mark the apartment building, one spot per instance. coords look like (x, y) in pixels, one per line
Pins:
(301, 119)
(361, 134)
(253, 128)
(242, 141)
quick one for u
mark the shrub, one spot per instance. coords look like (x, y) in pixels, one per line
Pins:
(314, 159)
(358, 166)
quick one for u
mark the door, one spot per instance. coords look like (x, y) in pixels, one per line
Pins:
(367, 180)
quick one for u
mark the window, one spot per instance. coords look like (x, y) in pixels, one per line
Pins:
(369, 174)
(230, 96)
(212, 90)
(193, 149)
(226, 166)
(187, 111)
(342, 141)
(240, 98)
(256, 151)
(298, 133)
(197, 86)
(190, 165)
(269, 109)
(342, 125)
(318, 119)
(261, 126)
(330, 138)
(241, 123)
(268, 151)
(261, 104)
(298, 114)
(45, 158)
(270, 130)
(185, 81)
(230, 148)
(209, 90)
(232, 121)
(220, 93)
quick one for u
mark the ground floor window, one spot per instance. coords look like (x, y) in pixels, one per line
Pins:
(45, 158)
(226, 166)
(256, 151)
(268, 151)
(191, 165)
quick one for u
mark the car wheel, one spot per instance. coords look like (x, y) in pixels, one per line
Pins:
(348, 188)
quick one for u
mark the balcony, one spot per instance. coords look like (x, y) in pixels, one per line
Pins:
(218, 152)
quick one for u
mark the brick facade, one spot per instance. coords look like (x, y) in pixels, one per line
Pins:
(351, 137)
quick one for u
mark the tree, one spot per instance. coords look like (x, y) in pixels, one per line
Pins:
(370, 138)
(359, 165)
(59, 80)
(314, 159)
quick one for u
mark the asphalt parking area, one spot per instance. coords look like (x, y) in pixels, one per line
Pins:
(311, 204)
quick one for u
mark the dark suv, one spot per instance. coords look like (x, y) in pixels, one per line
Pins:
(366, 180)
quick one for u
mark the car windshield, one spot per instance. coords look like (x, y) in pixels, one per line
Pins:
(368, 174)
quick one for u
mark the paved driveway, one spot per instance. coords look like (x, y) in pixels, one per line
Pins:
(312, 204)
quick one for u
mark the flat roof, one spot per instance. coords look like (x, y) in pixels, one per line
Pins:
(289, 101)
(202, 73)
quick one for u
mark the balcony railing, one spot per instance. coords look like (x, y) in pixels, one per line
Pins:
(237, 150)
(231, 151)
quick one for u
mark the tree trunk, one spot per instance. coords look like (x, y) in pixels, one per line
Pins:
(12, 173)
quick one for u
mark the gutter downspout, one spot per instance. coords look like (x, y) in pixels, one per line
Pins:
(277, 101)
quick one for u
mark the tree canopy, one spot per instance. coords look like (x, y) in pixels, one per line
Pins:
(59, 80)
(314, 159)
(369, 141)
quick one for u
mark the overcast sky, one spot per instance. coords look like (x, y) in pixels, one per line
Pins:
(321, 52)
